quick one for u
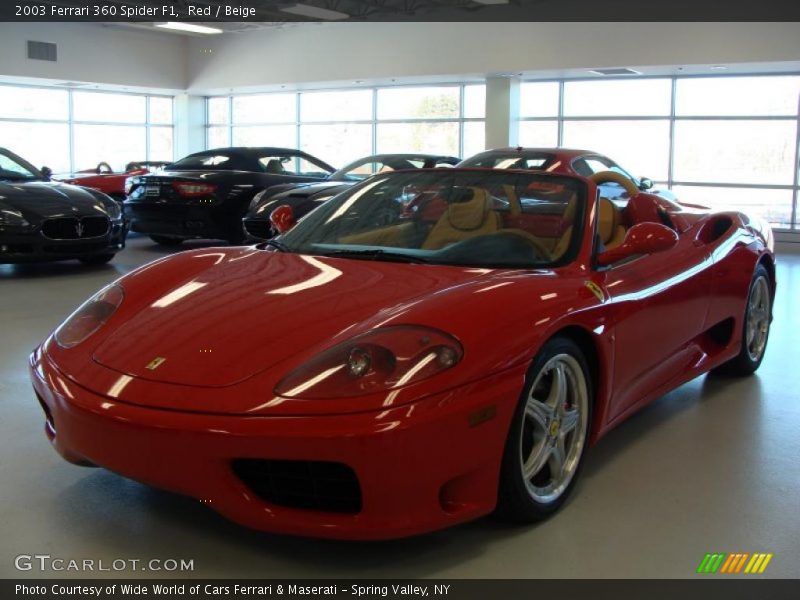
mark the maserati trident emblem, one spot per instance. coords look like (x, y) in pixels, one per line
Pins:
(79, 229)
(155, 363)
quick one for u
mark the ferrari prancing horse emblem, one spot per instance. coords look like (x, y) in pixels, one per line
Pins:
(155, 363)
(595, 289)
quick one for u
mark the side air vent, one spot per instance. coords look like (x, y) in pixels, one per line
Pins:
(622, 71)
(42, 51)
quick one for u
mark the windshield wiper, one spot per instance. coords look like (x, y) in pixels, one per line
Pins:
(378, 254)
(279, 246)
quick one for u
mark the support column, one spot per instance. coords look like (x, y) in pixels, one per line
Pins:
(502, 112)
(190, 125)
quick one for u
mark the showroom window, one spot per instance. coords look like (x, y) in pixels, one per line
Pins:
(340, 126)
(723, 141)
(84, 128)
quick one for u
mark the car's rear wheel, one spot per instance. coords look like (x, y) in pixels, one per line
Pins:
(165, 240)
(755, 327)
(96, 259)
(548, 436)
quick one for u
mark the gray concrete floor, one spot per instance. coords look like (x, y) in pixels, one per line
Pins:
(714, 466)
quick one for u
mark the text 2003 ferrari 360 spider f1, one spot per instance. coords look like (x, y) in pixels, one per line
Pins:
(423, 349)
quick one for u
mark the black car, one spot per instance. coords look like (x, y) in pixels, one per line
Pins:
(305, 197)
(206, 194)
(42, 220)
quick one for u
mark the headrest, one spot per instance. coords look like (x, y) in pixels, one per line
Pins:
(469, 214)
(274, 166)
(608, 219)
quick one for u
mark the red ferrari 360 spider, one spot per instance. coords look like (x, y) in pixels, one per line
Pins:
(425, 348)
(104, 179)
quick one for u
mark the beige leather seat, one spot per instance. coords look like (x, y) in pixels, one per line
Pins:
(609, 228)
(609, 225)
(464, 220)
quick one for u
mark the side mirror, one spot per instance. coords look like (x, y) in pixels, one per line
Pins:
(644, 238)
(47, 173)
(645, 184)
(282, 218)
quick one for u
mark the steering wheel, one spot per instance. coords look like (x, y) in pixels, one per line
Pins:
(103, 168)
(614, 177)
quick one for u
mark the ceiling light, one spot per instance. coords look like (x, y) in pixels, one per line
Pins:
(315, 12)
(615, 71)
(189, 27)
(719, 68)
(489, 2)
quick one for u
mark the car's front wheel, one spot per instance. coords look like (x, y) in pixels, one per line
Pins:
(548, 436)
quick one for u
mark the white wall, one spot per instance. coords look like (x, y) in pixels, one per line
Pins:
(89, 52)
(343, 52)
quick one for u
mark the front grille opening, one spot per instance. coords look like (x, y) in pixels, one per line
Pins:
(49, 424)
(309, 485)
(74, 228)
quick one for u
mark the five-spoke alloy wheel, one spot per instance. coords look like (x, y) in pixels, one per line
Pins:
(549, 433)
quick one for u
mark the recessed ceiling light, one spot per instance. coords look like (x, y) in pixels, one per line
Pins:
(191, 27)
(315, 12)
(616, 71)
(719, 68)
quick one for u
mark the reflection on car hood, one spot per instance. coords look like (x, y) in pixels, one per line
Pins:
(290, 303)
(49, 199)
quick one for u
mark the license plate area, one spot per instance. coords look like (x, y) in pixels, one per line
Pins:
(152, 191)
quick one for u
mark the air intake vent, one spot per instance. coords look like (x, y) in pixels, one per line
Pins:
(622, 71)
(42, 51)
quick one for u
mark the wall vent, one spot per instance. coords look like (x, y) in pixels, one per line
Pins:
(622, 71)
(42, 51)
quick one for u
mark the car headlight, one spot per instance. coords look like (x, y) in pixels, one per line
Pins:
(114, 210)
(12, 217)
(384, 359)
(90, 316)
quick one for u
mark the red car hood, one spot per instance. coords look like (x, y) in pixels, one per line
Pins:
(250, 310)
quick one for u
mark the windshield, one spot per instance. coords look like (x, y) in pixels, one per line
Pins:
(510, 160)
(366, 167)
(15, 169)
(468, 218)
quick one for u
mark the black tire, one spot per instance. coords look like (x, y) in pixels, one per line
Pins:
(747, 361)
(165, 240)
(97, 259)
(516, 500)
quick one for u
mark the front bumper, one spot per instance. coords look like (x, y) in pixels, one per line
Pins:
(420, 467)
(32, 246)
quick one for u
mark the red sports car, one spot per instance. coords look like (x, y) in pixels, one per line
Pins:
(568, 161)
(425, 348)
(104, 179)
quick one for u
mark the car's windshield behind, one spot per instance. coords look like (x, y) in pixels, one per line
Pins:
(470, 218)
(12, 169)
(367, 167)
(510, 160)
